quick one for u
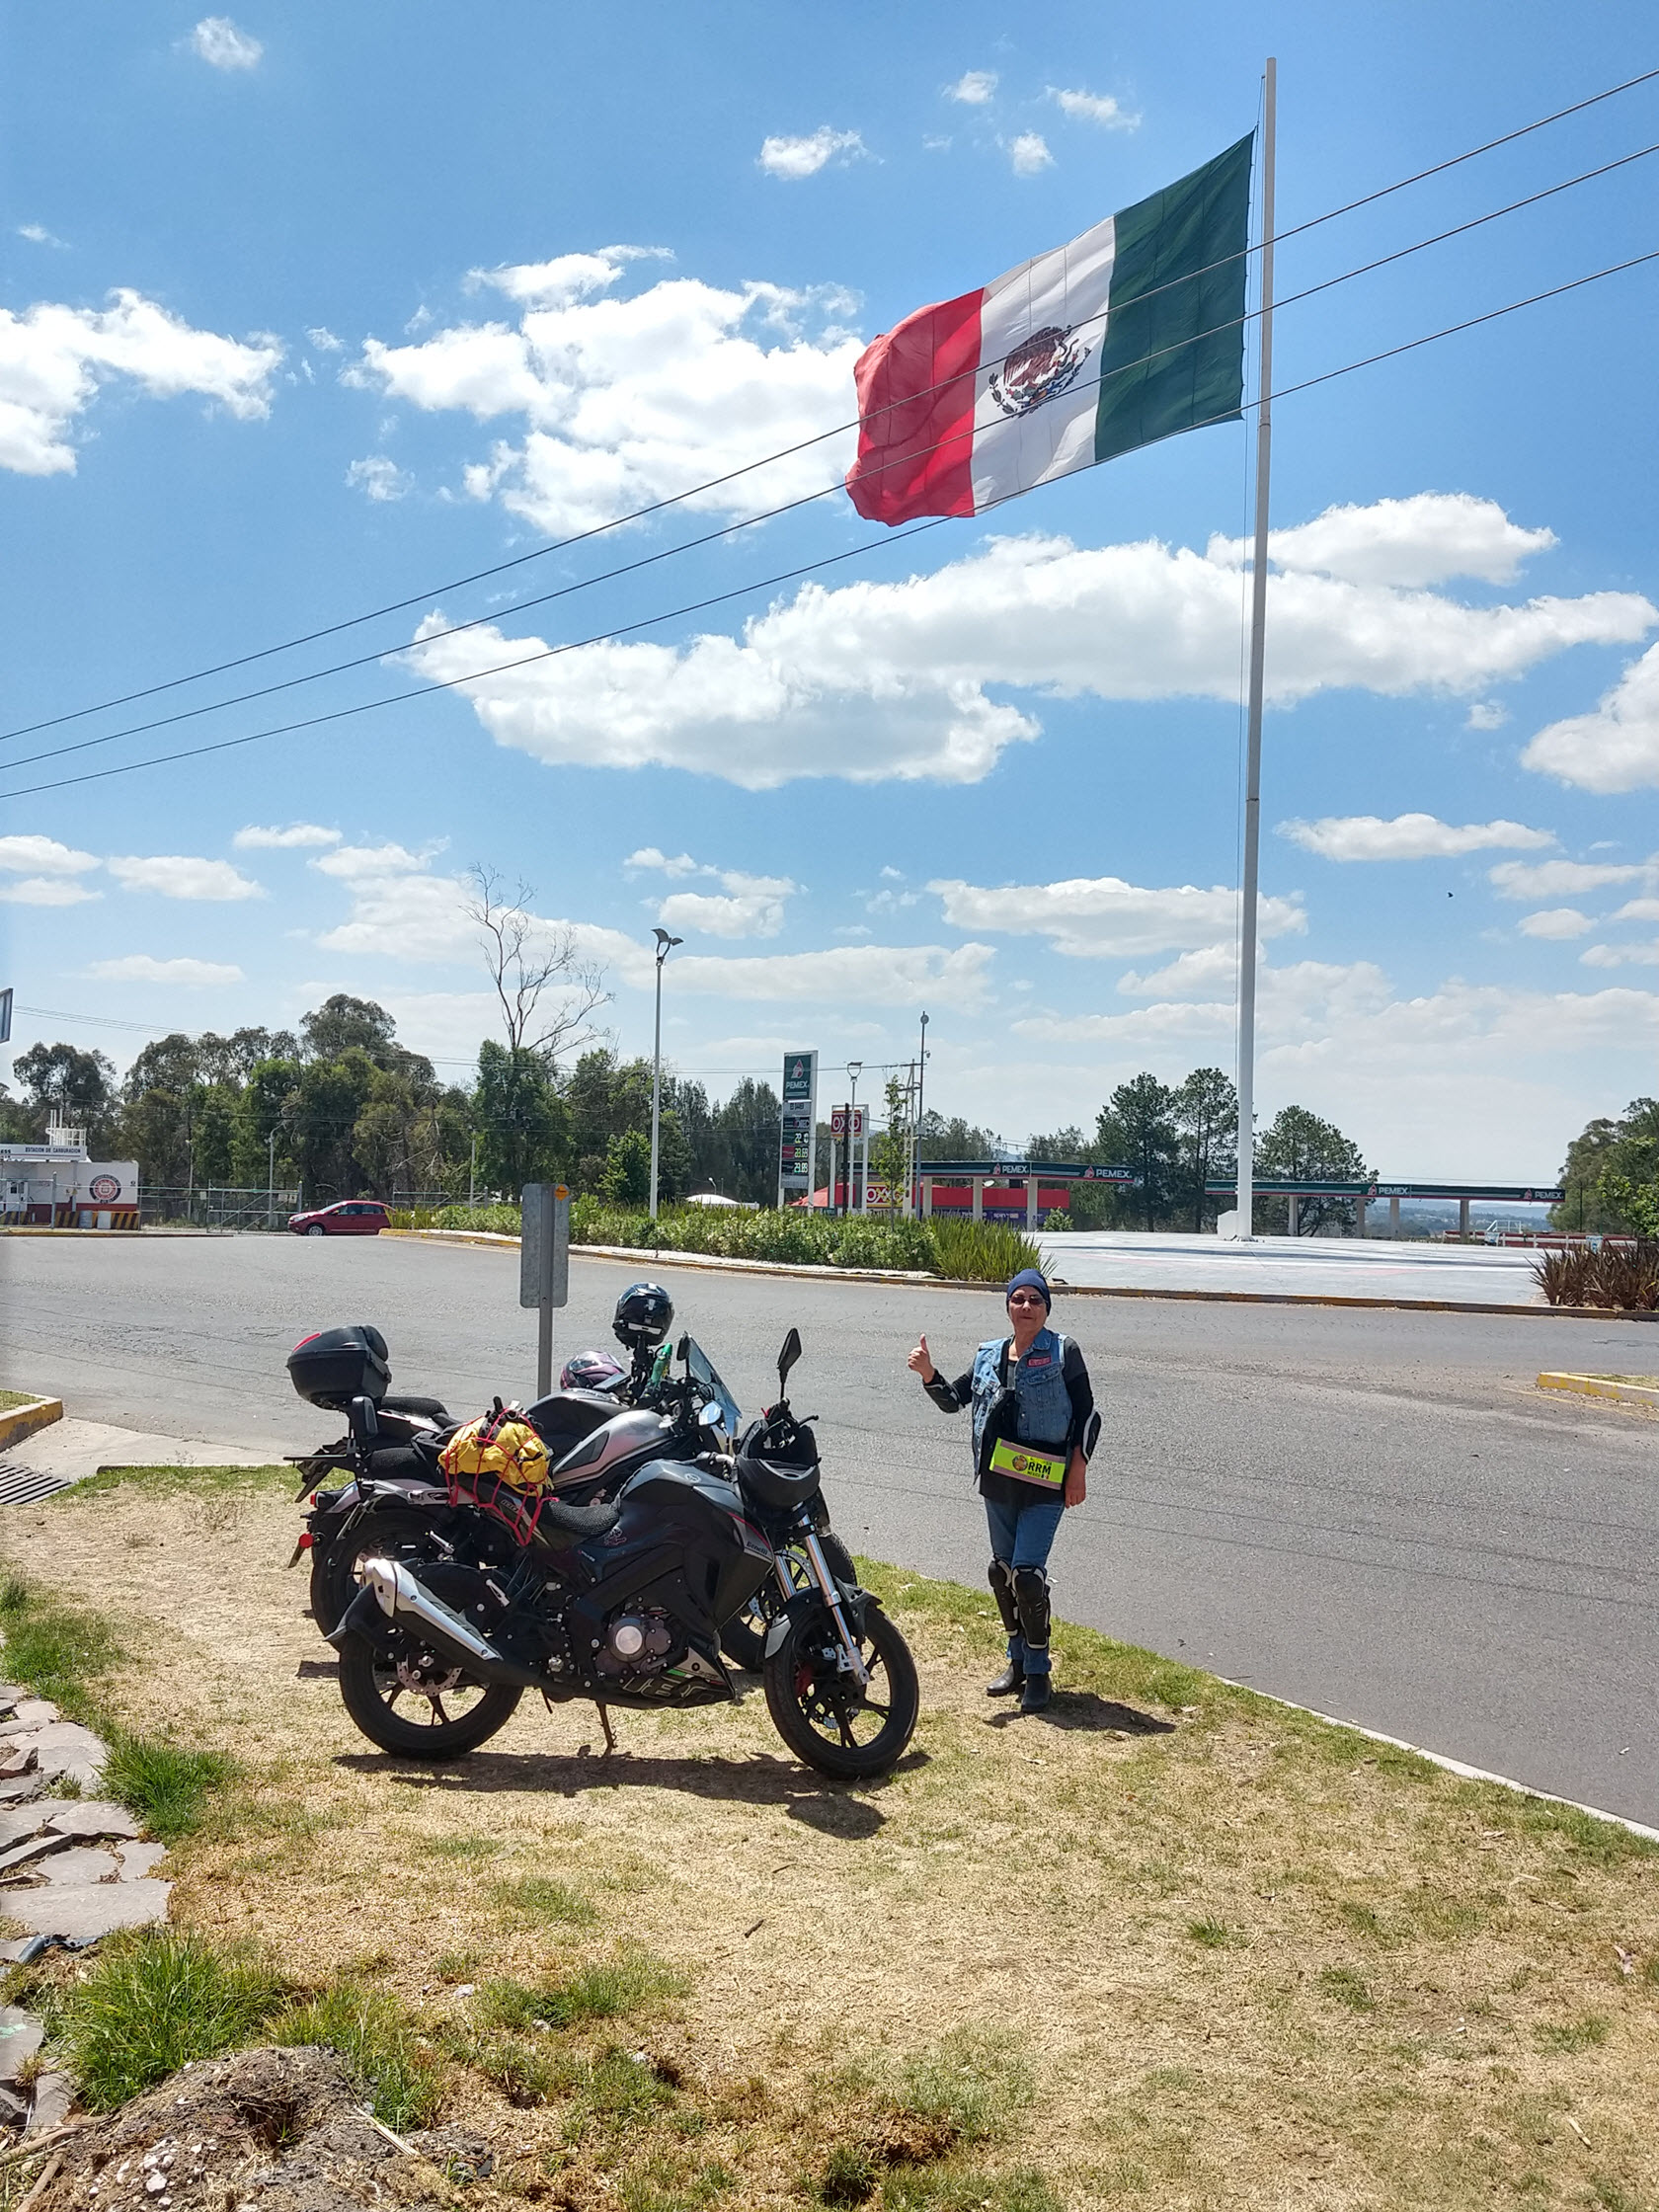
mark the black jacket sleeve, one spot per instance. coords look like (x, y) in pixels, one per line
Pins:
(1081, 1392)
(950, 1398)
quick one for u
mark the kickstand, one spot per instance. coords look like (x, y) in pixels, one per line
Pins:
(610, 1732)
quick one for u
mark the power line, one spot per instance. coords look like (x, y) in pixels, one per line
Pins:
(657, 506)
(477, 675)
(666, 553)
(807, 499)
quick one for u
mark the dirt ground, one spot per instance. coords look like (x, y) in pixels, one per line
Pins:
(1249, 1960)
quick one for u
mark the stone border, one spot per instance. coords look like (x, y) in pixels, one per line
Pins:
(1601, 1387)
(24, 1420)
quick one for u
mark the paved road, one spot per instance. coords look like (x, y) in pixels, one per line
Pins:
(1371, 1512)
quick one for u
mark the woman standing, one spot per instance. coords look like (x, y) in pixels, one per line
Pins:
(1034, 1431)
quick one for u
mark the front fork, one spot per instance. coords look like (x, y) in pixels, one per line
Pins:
(829, 1590)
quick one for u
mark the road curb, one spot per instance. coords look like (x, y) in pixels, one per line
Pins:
(1601, 1387)
(1458, 1766)
(24, 1420)
(715, 1260)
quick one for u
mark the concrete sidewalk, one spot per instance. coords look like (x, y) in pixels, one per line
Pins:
(72, 1449)
(1366, 1269)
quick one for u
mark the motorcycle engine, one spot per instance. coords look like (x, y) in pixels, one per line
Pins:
(636, 1643)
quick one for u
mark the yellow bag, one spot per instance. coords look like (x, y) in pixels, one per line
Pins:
(498, 1442)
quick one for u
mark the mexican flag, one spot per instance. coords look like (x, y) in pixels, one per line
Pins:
(1133, 332)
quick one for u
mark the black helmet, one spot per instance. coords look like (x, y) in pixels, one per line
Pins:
(643, 1315)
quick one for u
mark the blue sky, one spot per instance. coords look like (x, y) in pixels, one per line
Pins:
(309, 309)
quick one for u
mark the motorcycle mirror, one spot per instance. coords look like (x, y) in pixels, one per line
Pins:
(709, 1416)
(787, 1357)
(366, 1422)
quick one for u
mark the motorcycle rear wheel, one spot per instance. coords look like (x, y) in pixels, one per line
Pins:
(820, 1713)
(370, 1687)
(744, 1637)
(334, 1577)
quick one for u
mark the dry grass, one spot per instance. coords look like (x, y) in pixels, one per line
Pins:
(1174, 1945)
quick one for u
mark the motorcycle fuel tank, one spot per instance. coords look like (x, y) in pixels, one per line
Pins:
(621, 1436)
(682, 1533)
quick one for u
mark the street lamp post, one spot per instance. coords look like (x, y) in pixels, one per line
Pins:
(855, 1068)
(665, 945)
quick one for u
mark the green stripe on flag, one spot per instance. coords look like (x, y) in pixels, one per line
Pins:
(1189, 227)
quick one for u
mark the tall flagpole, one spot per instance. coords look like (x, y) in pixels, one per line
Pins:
(1258, 644)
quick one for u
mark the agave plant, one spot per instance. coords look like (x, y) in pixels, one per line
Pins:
(1565, 1275)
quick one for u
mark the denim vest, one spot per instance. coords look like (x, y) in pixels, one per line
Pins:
(1039, 1381)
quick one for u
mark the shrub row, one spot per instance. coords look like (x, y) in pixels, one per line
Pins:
(962, 1251)
(1622, 1276)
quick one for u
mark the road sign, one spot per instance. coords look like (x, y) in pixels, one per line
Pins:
(838, 1121)
(798, 1129)
(544, 1265)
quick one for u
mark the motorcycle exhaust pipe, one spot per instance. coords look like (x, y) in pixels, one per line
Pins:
(402, 1598)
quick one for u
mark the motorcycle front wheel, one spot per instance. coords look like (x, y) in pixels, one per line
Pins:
(418, 1706)
(744, 1637)
(820, 1711)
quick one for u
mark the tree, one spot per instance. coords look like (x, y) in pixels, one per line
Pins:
(17, 1124)
(1609, 1166)
(72, 1088)
(890, 1156)
(165, 1064)
(1207, 1117)
(523, 1127)
(747, 1129)
(1138, 1129)
(1301, 1147)
(212, 1131)
(526, 958)
(626, 1178)
(326, 1103)
(343, 1024)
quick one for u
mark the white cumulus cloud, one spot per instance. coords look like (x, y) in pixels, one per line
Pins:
(355, 863)
(747, 907)
(145, 968)
(1093, 106)
(1555, 923)
(1552, 879)
(1103, 918)
(624, 401)
(180, 874)
(1614, 749)
(1029, 153)
(52, 360)
(805, 157)
(1486, 714)
(222, 45)
(1407, 836)
(27, 852)
(378, 477)
(678, 864)
(46, 890)
(973, 88)
(296, 836)
(893, 681)
(1428, 539)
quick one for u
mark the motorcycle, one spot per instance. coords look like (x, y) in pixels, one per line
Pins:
(622, 1603)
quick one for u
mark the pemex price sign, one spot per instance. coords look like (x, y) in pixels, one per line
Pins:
(800, 1122)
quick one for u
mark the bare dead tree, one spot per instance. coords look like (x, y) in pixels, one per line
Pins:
(528, 959)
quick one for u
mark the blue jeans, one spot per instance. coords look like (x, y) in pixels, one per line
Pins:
(1023, 1537)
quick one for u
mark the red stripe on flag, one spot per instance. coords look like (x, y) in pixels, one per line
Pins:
(916, 414)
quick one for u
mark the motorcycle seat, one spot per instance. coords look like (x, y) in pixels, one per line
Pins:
(579, 1522)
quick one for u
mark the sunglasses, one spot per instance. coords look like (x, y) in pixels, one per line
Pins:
(1027, 1297)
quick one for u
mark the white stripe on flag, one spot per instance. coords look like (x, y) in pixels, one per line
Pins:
(1017, 443)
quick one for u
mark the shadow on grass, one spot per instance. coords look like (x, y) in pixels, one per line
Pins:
(1084, 1711)
(834, 1808)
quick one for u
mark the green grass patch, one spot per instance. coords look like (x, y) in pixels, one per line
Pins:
(1582, 2034)
(536, 1898)
(163, 1482)
(1213, 1934)
(153, 2000)
(168, 1787)
(58, 1650)
(10, 1401)
(604, 1990)
(374, 2035)
(460, 1846)
(972, 2082)
(958, 2189)
(1346, 1987)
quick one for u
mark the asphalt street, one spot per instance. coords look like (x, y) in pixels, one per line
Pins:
(1371, 1512)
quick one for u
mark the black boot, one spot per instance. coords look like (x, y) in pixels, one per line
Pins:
(1003, 1590)
(1035, 1694)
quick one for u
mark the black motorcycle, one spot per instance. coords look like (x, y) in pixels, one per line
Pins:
(623, 1603)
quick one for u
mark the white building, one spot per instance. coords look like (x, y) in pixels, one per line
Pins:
(55, 1185)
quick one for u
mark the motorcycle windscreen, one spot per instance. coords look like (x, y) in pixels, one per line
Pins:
(702, 1369)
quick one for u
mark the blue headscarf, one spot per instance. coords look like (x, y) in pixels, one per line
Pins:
(1029, 1279)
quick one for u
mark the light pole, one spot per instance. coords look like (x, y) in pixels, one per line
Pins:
(271, 1178)
(665, 945)
(921, 1085)
(855, 1068)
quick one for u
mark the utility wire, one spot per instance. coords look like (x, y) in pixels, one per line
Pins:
(648, 621)
(808, 499)
(657, 506)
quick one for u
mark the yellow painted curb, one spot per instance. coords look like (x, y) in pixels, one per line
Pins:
(1600, 1387)
(24, 1420)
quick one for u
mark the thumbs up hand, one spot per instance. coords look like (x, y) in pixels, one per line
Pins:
(921, 1362)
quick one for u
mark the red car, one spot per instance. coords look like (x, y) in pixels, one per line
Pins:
(350, 1217)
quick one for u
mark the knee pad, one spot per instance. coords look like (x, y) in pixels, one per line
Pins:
(1031, 1597)
(1002, 1578)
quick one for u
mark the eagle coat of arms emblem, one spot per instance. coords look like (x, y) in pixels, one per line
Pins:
(1036, 370)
